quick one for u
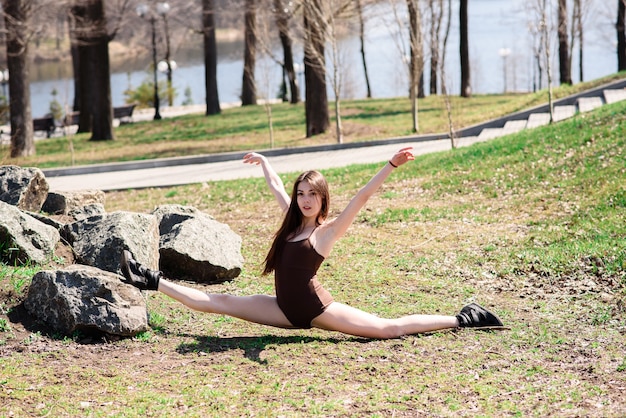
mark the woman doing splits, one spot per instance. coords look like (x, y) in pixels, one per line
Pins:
(305, 239)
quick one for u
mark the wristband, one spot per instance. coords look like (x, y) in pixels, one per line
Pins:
(392, 164)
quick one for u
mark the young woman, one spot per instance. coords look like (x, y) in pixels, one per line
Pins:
(305, 238)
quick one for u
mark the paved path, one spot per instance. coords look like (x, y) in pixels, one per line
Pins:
(235, 169)
(198, 169)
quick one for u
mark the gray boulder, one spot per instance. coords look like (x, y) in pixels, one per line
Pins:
(23, 238)
(86, 211)
(194, 246)
(99, 240)
(62, 203)
(24, 187)
(83, 298)
(41, 217)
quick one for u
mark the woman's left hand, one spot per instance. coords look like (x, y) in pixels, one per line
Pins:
(402, 156)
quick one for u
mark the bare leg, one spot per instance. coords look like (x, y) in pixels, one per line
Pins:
(261, 309)
(349, 320)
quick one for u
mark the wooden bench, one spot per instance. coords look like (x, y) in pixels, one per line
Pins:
(124, 113)
(45, 124)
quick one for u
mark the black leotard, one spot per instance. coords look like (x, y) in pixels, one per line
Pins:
(299, 294)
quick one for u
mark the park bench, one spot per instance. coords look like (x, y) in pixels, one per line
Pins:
(45, 124)
(124, 113)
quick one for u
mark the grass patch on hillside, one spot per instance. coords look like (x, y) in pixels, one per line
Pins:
(531, 225)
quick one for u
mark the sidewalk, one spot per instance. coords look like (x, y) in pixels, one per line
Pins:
(235, 169)
(197, 169)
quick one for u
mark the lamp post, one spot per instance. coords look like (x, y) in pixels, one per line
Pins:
(163, 9)
(146, 12)
(504, 53)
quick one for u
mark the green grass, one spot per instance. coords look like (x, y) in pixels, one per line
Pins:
(530, 224)
(247, 128)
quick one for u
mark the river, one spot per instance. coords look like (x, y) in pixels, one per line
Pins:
(494, 26)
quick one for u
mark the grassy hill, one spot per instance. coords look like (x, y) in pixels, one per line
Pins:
(530, 225)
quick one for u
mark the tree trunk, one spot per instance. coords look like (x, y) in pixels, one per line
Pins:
(248, 90)
(416, 79)
(336, 79)
(579, 30)
(621, 35)
(282, 21)
(17, 14)
(466, 89)
(75, 61)
(548, 56)
(564, 61)
(316, 102)
(435, 26)
(96, 110)
(362, 40)
(210, 58)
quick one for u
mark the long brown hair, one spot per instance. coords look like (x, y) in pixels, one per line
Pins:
(292, 221)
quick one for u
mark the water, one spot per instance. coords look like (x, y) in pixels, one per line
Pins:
(493, 25)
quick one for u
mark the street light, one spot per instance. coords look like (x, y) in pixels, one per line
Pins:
(144, 11)
(163, 9)
(504, 53)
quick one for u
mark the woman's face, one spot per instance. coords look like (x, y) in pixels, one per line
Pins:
(309, 201)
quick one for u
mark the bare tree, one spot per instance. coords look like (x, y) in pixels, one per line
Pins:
(316, 102)
(210, 58)
(337, 66)
(282, 16)
(248, 90)
(413, 58)
(577, 35)
(544, 25)
(565, 71)
(96, 110)
(621, 35)
(466, 89)
(436, 9)
(17, 15)
(417, 58)
(444, 82)
(322, 18)
(359, 11)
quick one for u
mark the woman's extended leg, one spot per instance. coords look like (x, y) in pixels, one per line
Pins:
(349, 320)
(261, 309)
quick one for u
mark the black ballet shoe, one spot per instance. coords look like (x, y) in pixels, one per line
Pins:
(137, 275)
(475, 316)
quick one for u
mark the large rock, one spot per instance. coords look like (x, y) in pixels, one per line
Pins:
(62, 203)
(196, 247)
(83, 298)
(24, 187)
(99, 240)
(87, 211)
(23, 238)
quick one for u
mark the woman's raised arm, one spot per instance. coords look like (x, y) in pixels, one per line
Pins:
(273, 180)
(335, 228)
